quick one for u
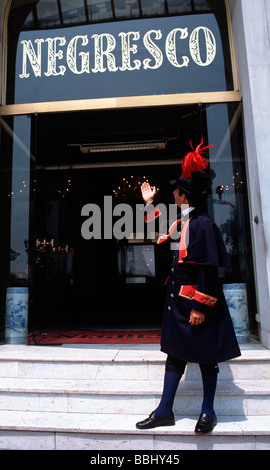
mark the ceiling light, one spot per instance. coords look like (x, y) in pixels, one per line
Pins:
(122, 146)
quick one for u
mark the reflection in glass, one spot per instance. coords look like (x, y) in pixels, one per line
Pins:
(201, 5)
(137, 261)
(229, 201)
(15, 271)
(58, 13)
(153, 7)
(73, 11)
(126, 8)
(48, 14)
(29, 22)
(19, 236)
(99, 10)
(179, 7)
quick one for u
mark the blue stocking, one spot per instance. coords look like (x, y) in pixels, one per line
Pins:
(171, 381)
(209, 390)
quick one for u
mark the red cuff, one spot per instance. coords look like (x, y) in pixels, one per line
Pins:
(152, 215)
(190, 292)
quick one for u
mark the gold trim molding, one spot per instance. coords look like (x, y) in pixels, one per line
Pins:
(120, 103)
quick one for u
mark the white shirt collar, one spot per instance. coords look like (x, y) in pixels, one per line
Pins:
(187, 210)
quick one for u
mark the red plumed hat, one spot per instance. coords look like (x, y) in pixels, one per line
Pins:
(194, 181)
(194, 161)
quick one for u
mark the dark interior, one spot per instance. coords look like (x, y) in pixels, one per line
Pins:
(87, 283)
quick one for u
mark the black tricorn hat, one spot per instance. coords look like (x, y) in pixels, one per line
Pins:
(194, 181)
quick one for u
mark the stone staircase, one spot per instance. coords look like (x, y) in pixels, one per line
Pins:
(89, 397)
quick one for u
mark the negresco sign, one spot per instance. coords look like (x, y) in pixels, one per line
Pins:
(104, 47)
(153, 56)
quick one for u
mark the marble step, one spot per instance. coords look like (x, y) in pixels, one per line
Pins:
(62, 431)
(90, 397)
(130, 362)
(241, 397)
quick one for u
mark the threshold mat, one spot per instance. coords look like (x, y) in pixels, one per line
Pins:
(95, 337)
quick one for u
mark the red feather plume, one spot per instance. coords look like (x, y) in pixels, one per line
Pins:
(194, 161)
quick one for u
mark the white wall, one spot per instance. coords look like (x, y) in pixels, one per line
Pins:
(251, 21)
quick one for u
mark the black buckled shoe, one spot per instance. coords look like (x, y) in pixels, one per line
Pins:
(205, 424)
(153, 422)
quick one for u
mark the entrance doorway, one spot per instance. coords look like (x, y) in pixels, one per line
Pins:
(101, 282)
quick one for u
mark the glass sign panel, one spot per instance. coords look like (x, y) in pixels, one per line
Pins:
(129, 58)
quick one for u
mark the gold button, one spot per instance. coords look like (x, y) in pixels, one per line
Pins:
(173, 282)
(172, 295)
(172, 269)
(191, 297)
(169, 308)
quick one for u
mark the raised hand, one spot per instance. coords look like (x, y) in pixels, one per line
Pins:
(148, 193)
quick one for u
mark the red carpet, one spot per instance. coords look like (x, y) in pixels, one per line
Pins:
(95, 337)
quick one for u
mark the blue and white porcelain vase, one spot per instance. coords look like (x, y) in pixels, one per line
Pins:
(16, 315)
(236, 298)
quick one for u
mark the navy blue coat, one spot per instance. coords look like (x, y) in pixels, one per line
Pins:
(193, 283)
